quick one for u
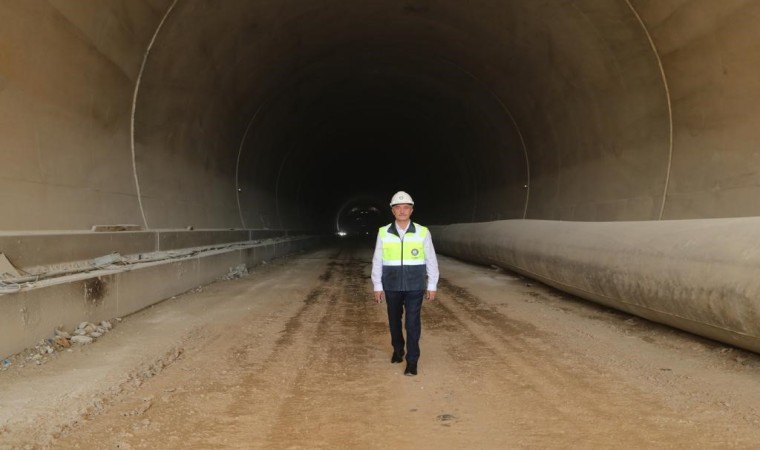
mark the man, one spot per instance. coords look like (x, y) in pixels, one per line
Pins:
(404, 258)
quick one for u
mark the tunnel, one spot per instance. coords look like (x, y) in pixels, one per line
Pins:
(607, 148)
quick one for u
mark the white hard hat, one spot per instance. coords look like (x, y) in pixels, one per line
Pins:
(401, 197)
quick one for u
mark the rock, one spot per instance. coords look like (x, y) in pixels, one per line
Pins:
(82, 325)
(95, 334)
(90, 328)
(61, 333)
(79, 332)
(61, 341)
(238, 271)
(106, 324)
(81, 339)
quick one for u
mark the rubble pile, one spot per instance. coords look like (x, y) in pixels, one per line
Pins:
(85, 333)
(236, 272)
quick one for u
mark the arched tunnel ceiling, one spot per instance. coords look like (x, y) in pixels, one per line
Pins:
(265, 114)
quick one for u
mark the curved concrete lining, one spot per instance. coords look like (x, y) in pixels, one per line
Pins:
(249, 114)
(696, 275)
(253, 114)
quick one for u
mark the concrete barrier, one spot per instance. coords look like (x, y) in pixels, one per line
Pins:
(701, 276)
(33, 313)
(33, 249)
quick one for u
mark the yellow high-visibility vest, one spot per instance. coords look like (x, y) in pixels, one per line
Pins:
(408, 251)
(403, 259)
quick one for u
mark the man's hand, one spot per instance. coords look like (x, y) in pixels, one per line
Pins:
(430, 296)
(379, 296)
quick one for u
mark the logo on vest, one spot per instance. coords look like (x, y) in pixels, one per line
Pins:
(415, 252)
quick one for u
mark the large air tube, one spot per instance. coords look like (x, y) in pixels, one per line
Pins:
(702, 276)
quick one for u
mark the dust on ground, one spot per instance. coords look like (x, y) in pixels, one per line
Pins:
(296, 355)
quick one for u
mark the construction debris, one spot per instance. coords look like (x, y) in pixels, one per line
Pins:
(238, 271)
(120, 227)
(7, 269)
(85, 333)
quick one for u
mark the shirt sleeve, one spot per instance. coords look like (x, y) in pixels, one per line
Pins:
(377, 265)
(431, 262)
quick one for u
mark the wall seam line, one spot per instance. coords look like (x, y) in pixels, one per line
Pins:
(238, 189)
(514, 123)
(670, 107)
(134, 107)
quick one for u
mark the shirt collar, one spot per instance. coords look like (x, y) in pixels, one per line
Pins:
(394, 230)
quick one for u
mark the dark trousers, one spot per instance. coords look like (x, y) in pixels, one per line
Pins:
(397, 302)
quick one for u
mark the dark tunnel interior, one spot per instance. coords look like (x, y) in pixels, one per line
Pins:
(370, 124)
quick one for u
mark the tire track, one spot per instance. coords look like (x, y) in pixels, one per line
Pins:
(335, 368)
(271, 381)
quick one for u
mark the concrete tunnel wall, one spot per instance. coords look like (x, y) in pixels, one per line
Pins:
(257, 115)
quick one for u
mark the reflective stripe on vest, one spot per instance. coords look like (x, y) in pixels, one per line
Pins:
(406, 252)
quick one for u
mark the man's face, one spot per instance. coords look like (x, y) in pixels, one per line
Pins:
(402, 212)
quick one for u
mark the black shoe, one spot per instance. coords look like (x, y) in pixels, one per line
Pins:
(411, 369)
(397, 358)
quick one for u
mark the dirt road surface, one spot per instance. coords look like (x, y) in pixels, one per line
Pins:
(296, 355)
